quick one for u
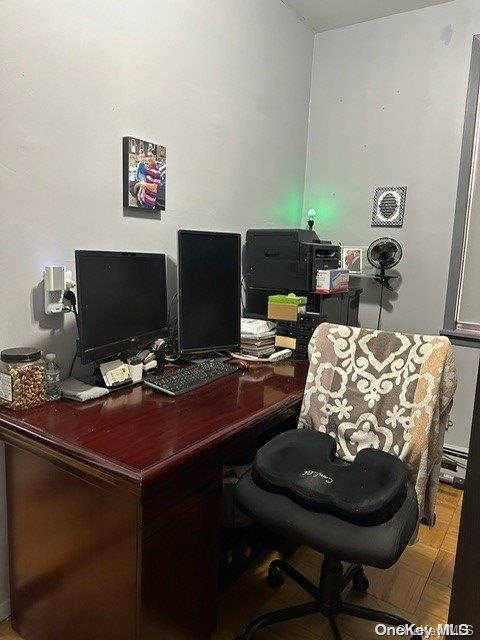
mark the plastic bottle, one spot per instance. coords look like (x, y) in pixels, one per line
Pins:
(52, 383)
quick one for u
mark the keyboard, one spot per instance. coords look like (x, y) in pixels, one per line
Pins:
(188, 378)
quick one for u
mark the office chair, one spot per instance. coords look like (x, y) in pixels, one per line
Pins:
(363, 512)
(339, 485)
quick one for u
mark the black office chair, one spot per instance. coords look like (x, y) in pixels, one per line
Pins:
(364, 512)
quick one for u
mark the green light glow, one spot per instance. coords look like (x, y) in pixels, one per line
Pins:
(289, 210)
(324, 207)
(327, 209)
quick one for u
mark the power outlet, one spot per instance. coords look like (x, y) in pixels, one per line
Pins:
(56, 280)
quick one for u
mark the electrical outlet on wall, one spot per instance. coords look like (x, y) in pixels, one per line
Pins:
(56, 280)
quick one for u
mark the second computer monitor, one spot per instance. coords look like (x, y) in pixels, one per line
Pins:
(209, 291)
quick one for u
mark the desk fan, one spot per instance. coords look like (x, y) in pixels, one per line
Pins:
(383, 254)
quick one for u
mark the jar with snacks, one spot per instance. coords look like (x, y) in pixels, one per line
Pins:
(22, 378)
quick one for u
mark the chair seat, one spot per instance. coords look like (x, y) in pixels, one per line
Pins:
(377, 545)
(301, 465)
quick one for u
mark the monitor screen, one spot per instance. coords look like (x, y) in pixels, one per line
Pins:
(209, 302)
(121, 301)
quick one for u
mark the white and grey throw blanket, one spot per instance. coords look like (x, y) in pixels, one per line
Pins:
(389, 391)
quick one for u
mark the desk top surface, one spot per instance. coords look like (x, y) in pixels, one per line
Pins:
(135, 432)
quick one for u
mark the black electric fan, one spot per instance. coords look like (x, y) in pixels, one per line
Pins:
(383, 254)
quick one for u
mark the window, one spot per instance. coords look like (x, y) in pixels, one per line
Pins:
(462, 310)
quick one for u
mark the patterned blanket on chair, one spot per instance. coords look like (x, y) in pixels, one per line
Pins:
(389, 391)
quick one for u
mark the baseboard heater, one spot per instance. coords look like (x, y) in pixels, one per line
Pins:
(454, 465)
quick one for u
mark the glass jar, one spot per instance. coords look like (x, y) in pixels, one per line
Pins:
(22, 378)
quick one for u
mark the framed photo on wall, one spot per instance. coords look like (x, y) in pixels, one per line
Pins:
(144, 175)
(352, 259)
(389, 206)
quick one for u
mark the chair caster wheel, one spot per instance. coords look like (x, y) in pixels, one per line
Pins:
(275, 579)
(360, 582)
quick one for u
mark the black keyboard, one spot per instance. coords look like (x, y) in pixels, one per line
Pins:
(188, 378)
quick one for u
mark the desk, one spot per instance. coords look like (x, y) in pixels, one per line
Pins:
(113, 506)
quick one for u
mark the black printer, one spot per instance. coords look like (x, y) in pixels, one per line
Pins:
(287, 259)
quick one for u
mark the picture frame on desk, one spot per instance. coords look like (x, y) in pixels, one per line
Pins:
(353, 259)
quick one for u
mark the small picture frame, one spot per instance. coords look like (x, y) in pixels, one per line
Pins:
(389, 206)
(144, 175)
(352, 259)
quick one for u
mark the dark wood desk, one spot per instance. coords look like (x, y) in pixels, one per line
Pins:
(113, 506)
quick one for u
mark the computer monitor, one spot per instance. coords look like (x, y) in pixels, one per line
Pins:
(209, 291)
(122, 302)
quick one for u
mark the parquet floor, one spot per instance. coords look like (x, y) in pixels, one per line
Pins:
(417, 587)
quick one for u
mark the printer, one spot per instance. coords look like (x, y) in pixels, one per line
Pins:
(287, 259)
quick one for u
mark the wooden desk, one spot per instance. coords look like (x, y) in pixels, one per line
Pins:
(113, 506)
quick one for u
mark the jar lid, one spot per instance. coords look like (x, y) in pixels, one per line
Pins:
(20, 354)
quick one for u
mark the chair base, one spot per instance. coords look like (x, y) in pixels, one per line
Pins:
(327, 598)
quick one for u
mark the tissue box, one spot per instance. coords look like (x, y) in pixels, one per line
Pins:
(286, 307)
(332, 280)
(287, 312)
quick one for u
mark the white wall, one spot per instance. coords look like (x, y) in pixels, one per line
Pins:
(223, 84)
(387, 108)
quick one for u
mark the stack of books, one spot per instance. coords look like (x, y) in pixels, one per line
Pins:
(257, 338)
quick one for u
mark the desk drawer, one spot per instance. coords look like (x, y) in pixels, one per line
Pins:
(241, 449)
(179, 509)
(187, 483)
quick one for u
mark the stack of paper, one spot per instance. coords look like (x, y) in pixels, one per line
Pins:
(257, 337)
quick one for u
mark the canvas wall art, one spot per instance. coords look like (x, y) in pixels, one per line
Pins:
(144, 175)
(389, 206)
